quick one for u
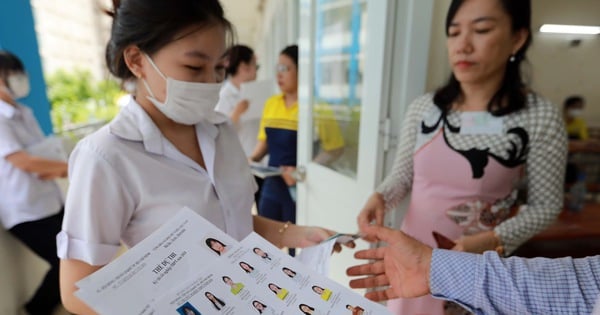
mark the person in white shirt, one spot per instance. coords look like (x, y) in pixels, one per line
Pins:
(31, 202)
(241, 68)
(168, 148)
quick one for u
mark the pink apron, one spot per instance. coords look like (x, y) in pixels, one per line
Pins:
(443, 179)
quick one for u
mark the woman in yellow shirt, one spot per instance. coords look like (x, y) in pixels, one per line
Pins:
(277, 136)
(576, 126)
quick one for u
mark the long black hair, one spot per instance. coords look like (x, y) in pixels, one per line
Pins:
(513, 89)
(236, 55)
(216, 302)
(152, 24)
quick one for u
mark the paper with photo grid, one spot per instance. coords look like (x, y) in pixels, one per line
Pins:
(173, 271)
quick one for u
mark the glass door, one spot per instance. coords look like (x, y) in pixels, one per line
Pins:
(355, 60)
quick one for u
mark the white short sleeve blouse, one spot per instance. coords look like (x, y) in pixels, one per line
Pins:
(127, 179)
(23, 196)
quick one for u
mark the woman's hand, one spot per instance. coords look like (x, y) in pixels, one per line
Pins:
(297, 236)
(239, 110)
(287, 173)
(479, 243)
(374, 210)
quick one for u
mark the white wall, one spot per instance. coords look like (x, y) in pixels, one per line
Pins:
(557, 70)
(560, 70)
(72, 34)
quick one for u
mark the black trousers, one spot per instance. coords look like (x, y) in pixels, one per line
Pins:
(40, 237)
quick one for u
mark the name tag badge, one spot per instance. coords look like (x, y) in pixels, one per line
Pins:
(480, 123)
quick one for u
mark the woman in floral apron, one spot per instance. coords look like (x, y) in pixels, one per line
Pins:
(467, 148)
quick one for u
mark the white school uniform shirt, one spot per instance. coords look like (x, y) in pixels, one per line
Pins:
(247, 130)
(23, 197)
(127, 179)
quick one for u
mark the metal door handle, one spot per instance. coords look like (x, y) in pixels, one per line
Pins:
(299, 174)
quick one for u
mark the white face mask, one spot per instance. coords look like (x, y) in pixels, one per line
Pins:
(575, 113)
(18, 85)
(187, 103)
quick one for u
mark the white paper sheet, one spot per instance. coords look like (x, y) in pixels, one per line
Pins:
(277, 284)
(172, 254)
(174, 272)
(257, 93)
(263, 171)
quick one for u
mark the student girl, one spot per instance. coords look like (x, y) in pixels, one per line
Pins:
(241, 68)
(31, 203)
(166, 149)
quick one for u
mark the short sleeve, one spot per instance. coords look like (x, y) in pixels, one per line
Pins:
(9, 143)
(97, 210)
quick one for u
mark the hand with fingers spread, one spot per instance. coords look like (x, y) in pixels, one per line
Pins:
(403, 265)
(373, 211)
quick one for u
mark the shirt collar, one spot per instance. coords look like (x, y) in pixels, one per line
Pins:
(134, 124)
(8, 110)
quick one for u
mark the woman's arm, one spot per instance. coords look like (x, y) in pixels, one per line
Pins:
(260, 151)
(398, 181)
(71, 271)
(288, 234)
(545, 171)
(45, 168)
(238, 111)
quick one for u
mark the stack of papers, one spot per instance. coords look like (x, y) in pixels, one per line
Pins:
(263, 171)
(189, 266)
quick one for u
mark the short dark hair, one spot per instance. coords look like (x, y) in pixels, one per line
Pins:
(512, 89)
(292, 52)
(573, 100)
(9, 63)
(152, 24)
(236, 55)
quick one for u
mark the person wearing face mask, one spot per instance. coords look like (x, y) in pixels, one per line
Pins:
(31, 202)
(166, 149)
(573, 111)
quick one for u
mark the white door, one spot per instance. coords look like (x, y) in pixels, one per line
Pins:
(356, 58)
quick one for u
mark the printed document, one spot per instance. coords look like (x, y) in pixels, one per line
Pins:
(189, 266)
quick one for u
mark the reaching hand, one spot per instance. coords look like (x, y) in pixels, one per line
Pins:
(287, 173)
(306, 236)
(239, 109)
(404, 265)
(374, 210)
